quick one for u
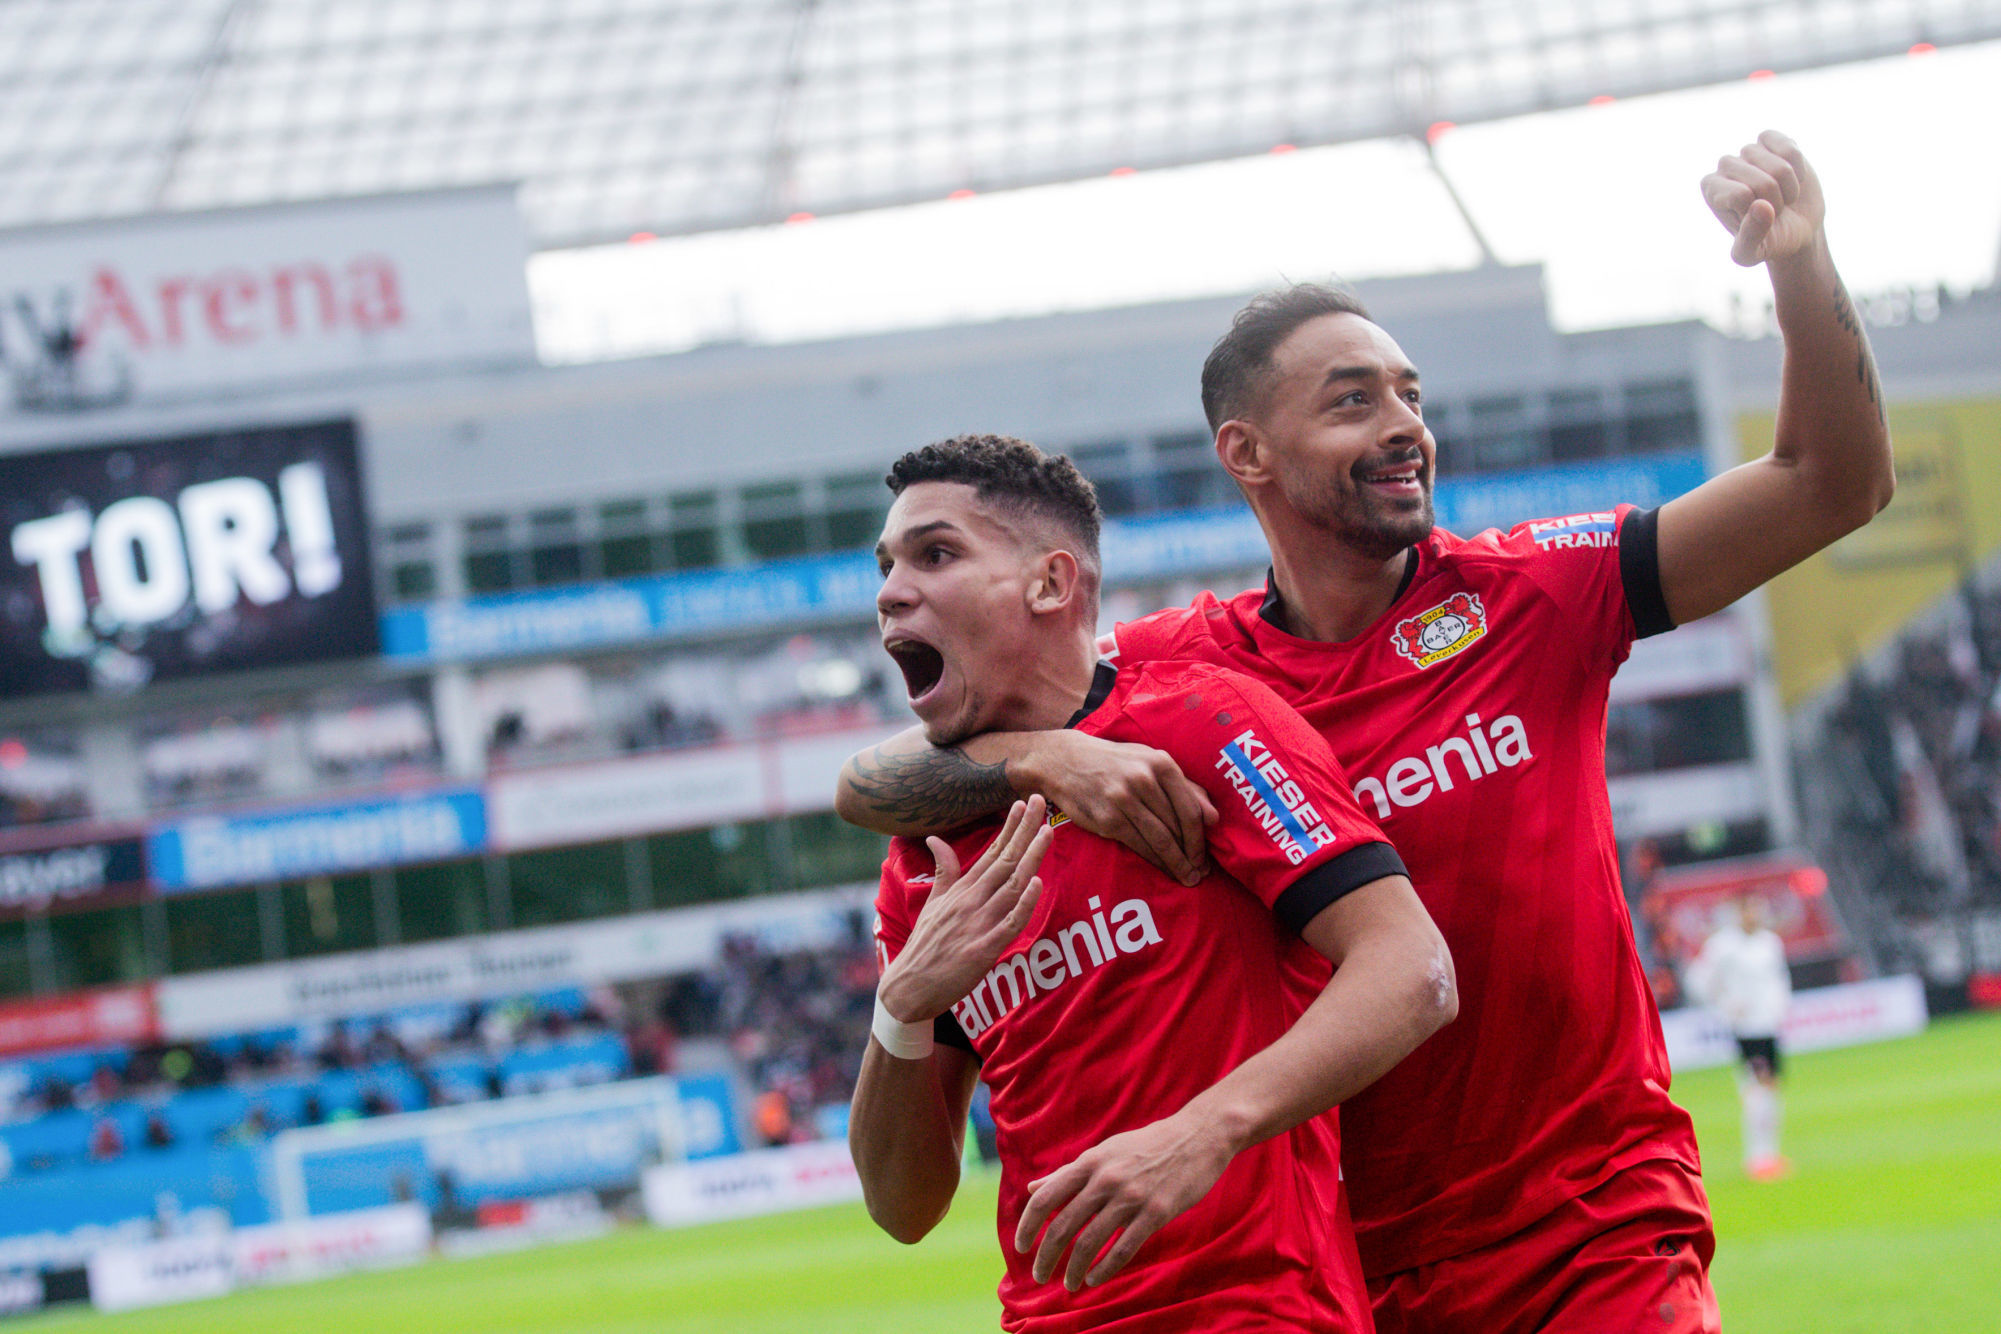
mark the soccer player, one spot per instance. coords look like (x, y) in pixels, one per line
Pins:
(1741, 974)
(1161, 1052)
(1524, 1170)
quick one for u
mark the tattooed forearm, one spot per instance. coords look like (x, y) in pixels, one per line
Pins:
(934, 789)
(1865, 365)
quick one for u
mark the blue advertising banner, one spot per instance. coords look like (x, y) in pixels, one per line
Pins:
(596, 1138)
(781, 593)
(208, 852)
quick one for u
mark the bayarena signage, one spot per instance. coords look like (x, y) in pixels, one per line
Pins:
(175, 306)
(151, 559)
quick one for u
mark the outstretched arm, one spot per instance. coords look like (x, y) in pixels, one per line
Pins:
(1392, 988)
(1131, 794)
(1829, 471)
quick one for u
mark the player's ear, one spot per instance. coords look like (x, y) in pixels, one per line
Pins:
(1241, 449)
(1056, 582)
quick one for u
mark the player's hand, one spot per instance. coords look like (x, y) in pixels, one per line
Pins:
(1768, 197)
(969, 917)
(1131, 794)
(1132, 1185)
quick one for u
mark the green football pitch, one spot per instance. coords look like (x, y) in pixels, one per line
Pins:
(1890, 1221)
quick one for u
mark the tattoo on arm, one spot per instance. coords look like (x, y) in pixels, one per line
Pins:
(933, 789)
(1865, 366)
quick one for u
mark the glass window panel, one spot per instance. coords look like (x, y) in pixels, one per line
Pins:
(622, 556)
(857, 528)
(562, 564)
(93, 949)
(728, 861)
(1646, 736)
(412, 580)
(213, 931)
(1579, 440)
(827, 850)
(564, 884)
(435, 902)
(773, 539)
(489, 572)
(622, 516)
(13, 958)
(325, 914)
(695, 548)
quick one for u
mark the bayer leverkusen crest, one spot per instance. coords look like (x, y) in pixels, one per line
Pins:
(1433, 636)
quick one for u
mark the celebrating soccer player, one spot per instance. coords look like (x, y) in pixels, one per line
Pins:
(1159, 1054)
(1526, 1170)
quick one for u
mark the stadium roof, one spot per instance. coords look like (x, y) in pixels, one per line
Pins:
(677, 116)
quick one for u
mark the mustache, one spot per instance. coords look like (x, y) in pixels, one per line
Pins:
(1364, 467)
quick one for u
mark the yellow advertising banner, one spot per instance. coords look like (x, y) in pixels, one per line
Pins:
(1944, 522)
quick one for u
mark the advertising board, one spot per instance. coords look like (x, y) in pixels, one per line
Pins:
(1685, 904)
(211, 851)
(586, 803)
(763, 1181)
(180, 1269)
(455, 1159)
(637, 945)
(145, 560)
(101, 1017)
(299, 1249)
(74, 874)
(171, 306)
(1821, 1018)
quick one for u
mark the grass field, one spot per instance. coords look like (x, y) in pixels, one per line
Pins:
(1891, 1221)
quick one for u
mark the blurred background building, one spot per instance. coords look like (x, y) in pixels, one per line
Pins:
(405, 704)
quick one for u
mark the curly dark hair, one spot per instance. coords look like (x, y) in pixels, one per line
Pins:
(1017, 480)
(1238, 368)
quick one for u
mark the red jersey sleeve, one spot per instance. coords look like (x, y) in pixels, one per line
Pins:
(1602, 569)
(895, 914)
(1289, 829)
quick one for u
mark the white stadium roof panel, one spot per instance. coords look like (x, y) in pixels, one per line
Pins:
(676, 116)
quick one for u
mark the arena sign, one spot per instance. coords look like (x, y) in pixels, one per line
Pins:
(148, 559)
(72, 875)
(176, 306)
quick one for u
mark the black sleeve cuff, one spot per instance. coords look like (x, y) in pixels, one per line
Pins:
(1640, 571)
(1303, 899)
(945, 1031)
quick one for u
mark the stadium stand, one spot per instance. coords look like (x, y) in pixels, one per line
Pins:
(1909, 746)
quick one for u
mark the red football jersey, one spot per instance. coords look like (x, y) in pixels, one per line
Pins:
(1129, 993)
(1472, 718)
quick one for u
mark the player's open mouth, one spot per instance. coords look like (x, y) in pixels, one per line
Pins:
(922, 665)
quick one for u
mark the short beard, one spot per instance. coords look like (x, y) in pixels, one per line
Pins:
(1362, 523)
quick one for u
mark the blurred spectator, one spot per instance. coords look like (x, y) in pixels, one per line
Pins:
(1908, 758)
(159, 1135)
(254, 1128)
(107, 1141)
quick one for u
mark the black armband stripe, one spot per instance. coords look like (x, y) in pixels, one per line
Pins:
(1640, 572)
(945, 1031)
(1303, 899)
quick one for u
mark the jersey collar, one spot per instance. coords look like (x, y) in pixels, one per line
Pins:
(1102, 680)
(1272, 611)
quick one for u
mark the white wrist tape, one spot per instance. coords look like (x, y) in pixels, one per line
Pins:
(909, 1042)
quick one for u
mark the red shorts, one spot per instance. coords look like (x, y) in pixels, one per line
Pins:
(1631, 1255)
